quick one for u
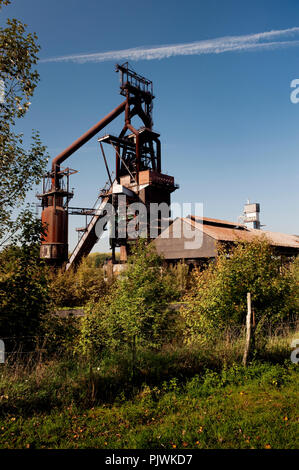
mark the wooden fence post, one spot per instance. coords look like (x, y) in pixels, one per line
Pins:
(248, 330)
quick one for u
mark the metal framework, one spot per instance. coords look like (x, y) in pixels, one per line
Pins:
(137, 152)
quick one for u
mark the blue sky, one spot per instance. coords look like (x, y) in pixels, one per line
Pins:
(229, 131)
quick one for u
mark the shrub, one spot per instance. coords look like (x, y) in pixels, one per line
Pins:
(23, 295)
(59, 334)
(176, 279)
(77, 288)
(62, 291)
(135, 313)
(217, 298)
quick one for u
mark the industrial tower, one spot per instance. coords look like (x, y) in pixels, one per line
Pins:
(138, 177)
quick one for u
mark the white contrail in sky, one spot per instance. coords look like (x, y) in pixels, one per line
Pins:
(249, 42)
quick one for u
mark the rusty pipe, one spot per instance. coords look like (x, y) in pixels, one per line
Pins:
(88, 135)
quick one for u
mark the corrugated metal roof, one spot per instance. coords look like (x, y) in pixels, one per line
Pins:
(221, 233)
(208, 220)
(279, 239)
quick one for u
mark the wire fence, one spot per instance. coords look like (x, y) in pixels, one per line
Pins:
(17, 340)
(17, 347)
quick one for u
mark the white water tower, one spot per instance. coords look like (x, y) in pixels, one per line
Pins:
(251, 215)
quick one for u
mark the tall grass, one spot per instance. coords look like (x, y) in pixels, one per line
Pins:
(34, 383)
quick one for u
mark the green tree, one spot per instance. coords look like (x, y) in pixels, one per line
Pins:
(89, 282)
(177, 279)
(217, 299)
(20, 168)
(99, 259)
(62, 288)
(294, 267)
(136, 312)
(77, 288)
(23, 286)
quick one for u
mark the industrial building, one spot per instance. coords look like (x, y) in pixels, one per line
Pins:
(139, 178)
(212, 232)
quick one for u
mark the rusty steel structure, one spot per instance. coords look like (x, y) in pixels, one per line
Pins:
(137, 174)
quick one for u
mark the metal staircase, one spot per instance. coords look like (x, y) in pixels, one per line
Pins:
(89, 237)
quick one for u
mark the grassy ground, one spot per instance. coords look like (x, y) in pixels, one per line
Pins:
(259, 413)
(179, 399)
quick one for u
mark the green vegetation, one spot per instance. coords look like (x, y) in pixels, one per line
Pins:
(77, 288)
(156, 360)
(234, 408)
(23, 287)
(135, 314)
(23, 280)
(137, 372)
(20, 167)
(217, 297)
(99, 259)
